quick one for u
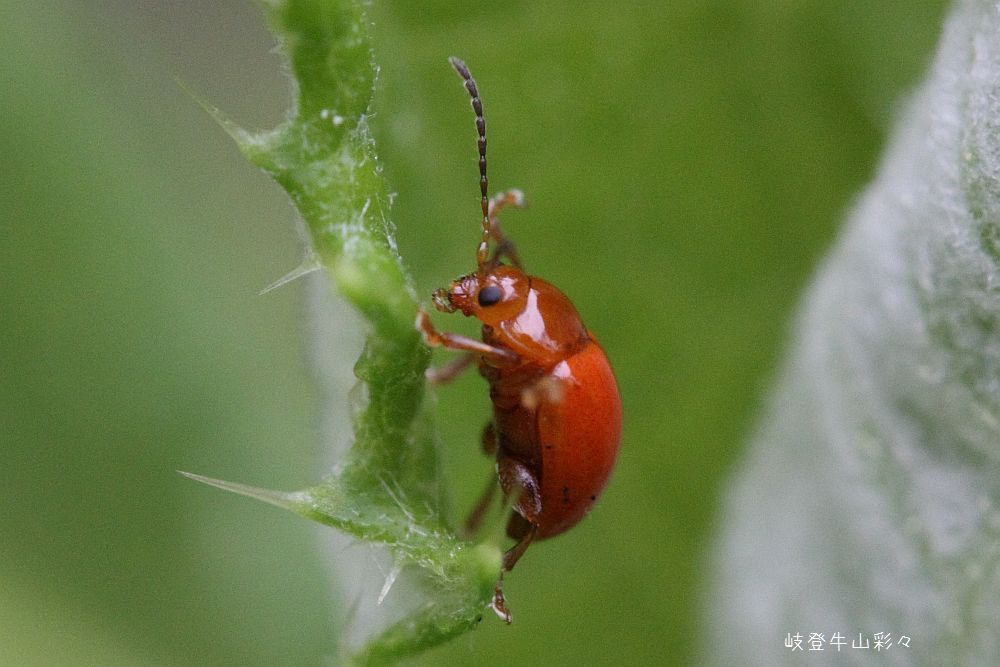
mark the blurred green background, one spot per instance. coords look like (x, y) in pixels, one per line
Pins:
(686, 164)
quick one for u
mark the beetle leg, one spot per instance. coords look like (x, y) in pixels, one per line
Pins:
(517, 480)
(501, 200)
(451, 370)
(548, 389)
(489, 439)
(435, 338)
(511, 557)
(504, 247)
(475, 518)
(499, 603)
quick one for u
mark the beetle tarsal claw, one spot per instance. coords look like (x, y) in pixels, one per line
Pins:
(499, 604)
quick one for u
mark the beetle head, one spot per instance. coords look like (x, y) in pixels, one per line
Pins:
(490, 296)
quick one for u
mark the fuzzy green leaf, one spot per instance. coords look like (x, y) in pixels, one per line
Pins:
(870, 501)
(386, 489)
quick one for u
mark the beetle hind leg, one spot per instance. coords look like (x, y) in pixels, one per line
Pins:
(517, 480)
(524, 531)
(527, 530)
(521, 483)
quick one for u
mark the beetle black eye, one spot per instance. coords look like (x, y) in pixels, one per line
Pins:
(489, 295)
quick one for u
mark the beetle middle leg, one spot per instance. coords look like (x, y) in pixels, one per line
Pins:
(546, 389)
(475, 518)
(451, 370)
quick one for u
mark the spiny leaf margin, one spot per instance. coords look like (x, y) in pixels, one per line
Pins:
(387, 489)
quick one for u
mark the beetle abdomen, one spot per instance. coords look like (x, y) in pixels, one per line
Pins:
(579, 431)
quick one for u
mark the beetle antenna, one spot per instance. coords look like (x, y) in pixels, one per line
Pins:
(477, 106)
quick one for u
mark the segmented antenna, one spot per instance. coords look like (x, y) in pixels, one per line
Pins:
(477, 106)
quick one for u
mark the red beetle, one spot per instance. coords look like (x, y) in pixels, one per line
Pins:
(557, 415)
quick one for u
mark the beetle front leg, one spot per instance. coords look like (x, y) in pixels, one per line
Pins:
(501, 200)
(504, 247)
(497, 356)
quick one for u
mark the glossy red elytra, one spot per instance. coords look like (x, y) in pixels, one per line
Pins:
(557, 414)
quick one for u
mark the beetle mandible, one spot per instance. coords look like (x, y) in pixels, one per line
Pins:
(557, 413)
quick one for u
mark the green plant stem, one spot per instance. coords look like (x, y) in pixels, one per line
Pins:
(386, 490)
